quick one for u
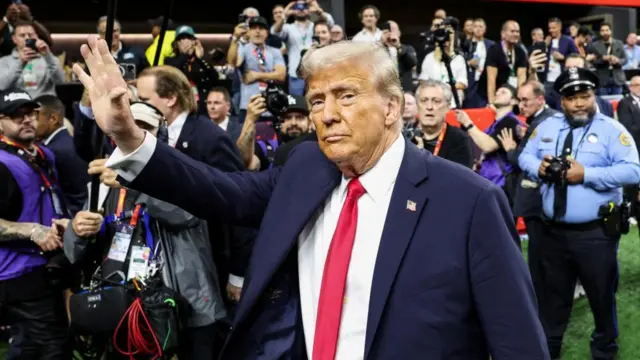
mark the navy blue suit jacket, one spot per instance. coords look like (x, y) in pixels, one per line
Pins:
(72, 170)
(449, 282)
(566, 46)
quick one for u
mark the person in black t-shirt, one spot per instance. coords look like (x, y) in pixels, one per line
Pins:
(448, 142)
(506, 63)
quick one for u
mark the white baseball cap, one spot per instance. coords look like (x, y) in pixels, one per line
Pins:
(147, 113)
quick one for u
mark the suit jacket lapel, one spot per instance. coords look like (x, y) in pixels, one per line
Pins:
(407, 202)
(297, 198)
(185, 134)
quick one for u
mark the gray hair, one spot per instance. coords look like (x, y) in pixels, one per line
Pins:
(427, 84)
(103, 19)
(251, 9)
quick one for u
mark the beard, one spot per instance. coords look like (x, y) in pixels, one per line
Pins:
(580, 120)
(293, 132)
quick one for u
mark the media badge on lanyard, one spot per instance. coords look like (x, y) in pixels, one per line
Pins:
(260, 56)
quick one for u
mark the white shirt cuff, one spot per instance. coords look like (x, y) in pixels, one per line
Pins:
(236, 281)
(130, 166)
(86, 111)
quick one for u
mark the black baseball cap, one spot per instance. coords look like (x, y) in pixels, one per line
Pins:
(297, 103)
(13, 100)
(258, 20)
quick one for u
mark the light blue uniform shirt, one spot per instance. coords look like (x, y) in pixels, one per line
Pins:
(605, 149)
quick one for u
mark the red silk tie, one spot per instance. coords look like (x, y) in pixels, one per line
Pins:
(334, 277)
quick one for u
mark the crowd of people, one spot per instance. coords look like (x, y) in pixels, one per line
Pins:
(300, 212)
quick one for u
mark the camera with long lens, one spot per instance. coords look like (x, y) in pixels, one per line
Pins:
(556, 172)
(277, 100)
(441, 34)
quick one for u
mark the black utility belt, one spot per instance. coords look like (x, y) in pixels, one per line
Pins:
(591, 225)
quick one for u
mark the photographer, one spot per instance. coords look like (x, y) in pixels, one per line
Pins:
(293, 123)
(31, 66)
(31, 208)
(448, 142)
(258, 63)
(402, 54)
(582, 160)
(190, 60)
(183, 243)
(434, 64)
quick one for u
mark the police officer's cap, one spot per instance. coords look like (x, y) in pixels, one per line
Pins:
(574, 80)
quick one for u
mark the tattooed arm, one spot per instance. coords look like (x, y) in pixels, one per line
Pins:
(246, 142)
(13, 231)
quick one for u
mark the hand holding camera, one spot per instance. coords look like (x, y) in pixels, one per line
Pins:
(537, 59)
(27, 54)
(257, 105)
(557, 170)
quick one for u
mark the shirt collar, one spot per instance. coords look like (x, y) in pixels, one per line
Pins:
(224, 123)
(53, 134)
(379, 180)
(178, 123)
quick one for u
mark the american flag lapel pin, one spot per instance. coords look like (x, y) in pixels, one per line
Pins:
(411, 205)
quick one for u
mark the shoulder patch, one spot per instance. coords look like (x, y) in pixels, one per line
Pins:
(624, 139)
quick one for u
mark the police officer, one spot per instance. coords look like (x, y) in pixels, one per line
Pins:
(582, 158)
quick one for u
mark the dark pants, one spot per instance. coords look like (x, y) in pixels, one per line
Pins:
(36, 314)
(535, 232)
(583, 252)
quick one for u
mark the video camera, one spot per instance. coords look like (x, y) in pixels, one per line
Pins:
(442, 33)
(556, 172)
(277, 100)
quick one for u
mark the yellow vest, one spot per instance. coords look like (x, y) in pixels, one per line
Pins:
(167, 50)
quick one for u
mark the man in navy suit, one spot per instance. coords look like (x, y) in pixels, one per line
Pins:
(369, 248)
(72, 170)
(218, 108)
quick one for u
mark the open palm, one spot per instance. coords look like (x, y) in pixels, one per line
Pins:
(107, 89)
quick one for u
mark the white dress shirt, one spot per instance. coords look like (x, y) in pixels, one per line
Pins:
(224, 123)
(314, 241)
(366, 36)
(175, 128)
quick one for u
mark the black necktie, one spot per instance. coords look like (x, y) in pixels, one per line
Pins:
(560, 194)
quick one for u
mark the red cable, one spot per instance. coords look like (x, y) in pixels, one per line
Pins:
(138, 341)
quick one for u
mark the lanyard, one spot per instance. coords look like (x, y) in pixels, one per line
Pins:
(436, 150)
(48, 184)
(575, 156)
(135, 215)
(511, 57)
(48, 180)
(260, 57)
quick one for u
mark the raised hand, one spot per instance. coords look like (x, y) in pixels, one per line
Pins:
(107, 92)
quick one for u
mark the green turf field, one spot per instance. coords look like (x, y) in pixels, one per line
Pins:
(577, 338)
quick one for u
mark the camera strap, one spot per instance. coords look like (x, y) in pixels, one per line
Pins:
(567, 149)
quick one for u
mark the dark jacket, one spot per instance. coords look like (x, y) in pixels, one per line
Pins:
(566, 46)
(200, 74)
(528, 201)
(599, 48)
(629, 116)
(72, 170)
(456, 147)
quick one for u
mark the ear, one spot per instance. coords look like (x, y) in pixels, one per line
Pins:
(393, 111)
(171, 101)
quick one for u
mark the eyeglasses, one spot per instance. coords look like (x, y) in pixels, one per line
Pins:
(19, 118)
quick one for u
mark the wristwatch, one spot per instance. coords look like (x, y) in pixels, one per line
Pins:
(467, 128)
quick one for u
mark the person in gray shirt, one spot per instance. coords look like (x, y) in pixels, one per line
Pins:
(298, 36)
(31, 66)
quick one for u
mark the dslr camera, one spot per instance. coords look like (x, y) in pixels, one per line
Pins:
(556, 172)
(442, 33)
(277, 100)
